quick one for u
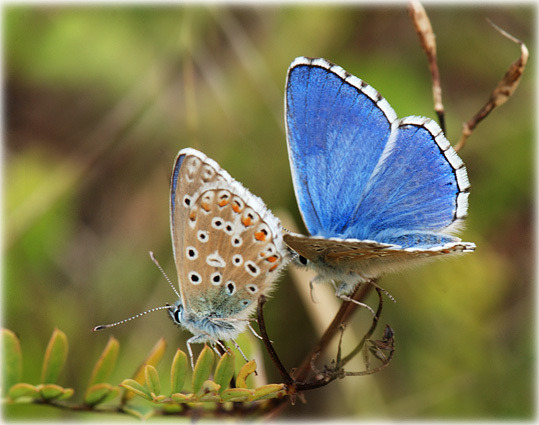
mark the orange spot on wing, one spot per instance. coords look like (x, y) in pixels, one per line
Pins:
(272, 268)
(223, 202)
(272, 259)
(246, 221)
(260, 236)
(236, 208)
(193, 215)
(205, 206)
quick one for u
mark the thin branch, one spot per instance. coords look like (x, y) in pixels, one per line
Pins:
(427, 38)
(343, 315)
(369, 332)
(288, 380)
(386, 344)
(503, 91)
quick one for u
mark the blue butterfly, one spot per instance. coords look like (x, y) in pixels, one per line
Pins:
(376, 193)
(228, 251)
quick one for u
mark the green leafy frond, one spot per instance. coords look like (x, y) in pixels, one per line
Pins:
(178, 372)
(98, 391)
(210, 382)
(55, 357)
(153, 358)
(12, 367)
(204, 389)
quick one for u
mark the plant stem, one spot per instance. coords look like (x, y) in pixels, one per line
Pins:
(343, 315)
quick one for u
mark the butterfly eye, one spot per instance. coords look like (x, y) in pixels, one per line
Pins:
(176, 314)
(302, 260)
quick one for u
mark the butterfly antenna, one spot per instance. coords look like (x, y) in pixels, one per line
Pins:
(101, 327)
(164, 274)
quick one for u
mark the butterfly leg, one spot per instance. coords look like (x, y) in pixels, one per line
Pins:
(220, 344)
(216, 350)
(190, 350)
(239, 349)
(253, 331)
(311, 286)
(347, 298)
(201, 338)
(387, 294)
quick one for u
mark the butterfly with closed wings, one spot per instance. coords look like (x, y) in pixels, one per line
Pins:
(228, 250)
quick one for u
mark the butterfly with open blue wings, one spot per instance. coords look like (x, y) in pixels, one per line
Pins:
(376, 193)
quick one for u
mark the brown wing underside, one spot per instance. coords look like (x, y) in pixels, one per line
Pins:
(334, 251)
(236, 257)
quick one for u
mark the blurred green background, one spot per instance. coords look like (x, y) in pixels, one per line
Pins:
(98, 101)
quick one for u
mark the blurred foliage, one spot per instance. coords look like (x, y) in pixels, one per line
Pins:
(98, 100)
(240, 400)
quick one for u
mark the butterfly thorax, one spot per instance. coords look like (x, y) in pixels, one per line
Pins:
(208, 325)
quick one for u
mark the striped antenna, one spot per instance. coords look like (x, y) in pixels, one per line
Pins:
(164, 274)
(167, 306)
(101, 327)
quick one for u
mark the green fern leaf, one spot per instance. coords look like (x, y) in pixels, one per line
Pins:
(50, 391)
(106, 362)
(100, 393)
(55, 357)
(270, 391)
(152, 380)
(178, 372)
(247, 369)
(136, 388)
(237, 394)
(225, 370)
(23, 390)
(203, 368)
(12, 359)
(153, 358)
